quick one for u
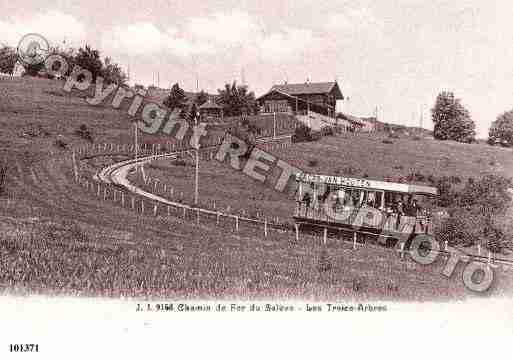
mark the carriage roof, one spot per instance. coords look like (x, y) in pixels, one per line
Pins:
(367, 184)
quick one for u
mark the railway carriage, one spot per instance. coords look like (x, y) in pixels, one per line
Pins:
(386, 211)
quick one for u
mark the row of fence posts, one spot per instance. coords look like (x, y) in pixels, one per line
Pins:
(265, 222)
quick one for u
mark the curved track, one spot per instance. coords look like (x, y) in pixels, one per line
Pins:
(117, 174)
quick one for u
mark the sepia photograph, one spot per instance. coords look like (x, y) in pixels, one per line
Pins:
(339, 167)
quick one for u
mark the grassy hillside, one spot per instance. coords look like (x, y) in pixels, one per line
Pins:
(56, 237)
(363, 155)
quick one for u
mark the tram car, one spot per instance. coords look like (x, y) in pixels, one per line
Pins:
(385, 211)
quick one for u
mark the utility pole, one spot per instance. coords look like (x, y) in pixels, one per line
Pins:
(196, 172)
(196, 175)
(274, 124)
(136, 149)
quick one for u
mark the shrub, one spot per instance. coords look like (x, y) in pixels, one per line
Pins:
(61, 144)
(85, 133)
(455, 179)
(304, 134)
(490, 194)
(388, 142)
(457, 230)
(180, 162)
(312, 163)
(328, 131)
(3, 177)
(349, 170)
(446, 196)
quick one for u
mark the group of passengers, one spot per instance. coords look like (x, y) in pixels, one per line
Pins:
(349, 200)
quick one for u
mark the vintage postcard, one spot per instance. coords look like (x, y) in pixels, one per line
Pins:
(299, 178)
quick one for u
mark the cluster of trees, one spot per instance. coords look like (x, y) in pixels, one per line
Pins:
(86, 57)
(501, 130)
(452, 120)
(236, 100)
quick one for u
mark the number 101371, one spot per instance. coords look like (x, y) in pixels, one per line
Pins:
(23, 348)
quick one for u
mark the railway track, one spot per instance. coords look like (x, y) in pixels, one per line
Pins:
(116, 174)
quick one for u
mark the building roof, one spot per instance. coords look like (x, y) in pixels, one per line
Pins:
(309, 88)
(210, 105)
(368, 184)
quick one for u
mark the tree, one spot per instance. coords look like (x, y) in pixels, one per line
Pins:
(193, 112)
(452, 121)
(236, 100)
(201, 98)
(112, 73)
(502, 129)
(7, 59)
(176, 99)
(89, 58)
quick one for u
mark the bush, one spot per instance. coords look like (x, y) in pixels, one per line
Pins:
(61, 144)
(490, 194)
(305, 134)
(388, 142)
(349, 171)
(446, 196)
(3, 177)
(455, 179)
(180, 162)
(312, 163)
(85, 133)
(457, 230)
(328, 131)
(416, 176)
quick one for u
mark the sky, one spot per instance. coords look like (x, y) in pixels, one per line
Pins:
(393, 55)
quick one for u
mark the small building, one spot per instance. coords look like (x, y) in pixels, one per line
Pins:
(300, 99)
(210, 110)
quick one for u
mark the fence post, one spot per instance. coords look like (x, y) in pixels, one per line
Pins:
(197, 216)
(237, 223)
(168, 211)
(184, 209)
(325, 237)
(402, 250)
(155, 210)
(479, 249)
(354, 240)
(296, 225)
(98, 191)
(265, 227)
(133, 202)
(142, 206)
(75, 169)
(122, 199)
(217, 219)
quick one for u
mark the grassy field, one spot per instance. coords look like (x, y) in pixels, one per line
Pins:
(58, 238)
(364, 155)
